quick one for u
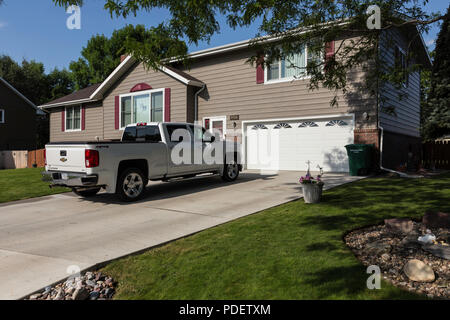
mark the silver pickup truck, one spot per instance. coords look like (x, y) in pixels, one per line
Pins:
(146, 152)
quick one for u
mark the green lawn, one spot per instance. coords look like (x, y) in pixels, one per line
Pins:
(21, 184)
(293, 251)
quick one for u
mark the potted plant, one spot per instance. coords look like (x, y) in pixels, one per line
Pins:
(312, 188)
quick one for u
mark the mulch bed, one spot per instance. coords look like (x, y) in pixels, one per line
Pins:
(377, 245)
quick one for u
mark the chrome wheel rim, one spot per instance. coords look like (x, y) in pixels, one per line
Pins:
(133, 185)
(232, 170)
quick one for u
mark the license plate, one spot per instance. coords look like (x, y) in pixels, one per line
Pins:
(64, 176)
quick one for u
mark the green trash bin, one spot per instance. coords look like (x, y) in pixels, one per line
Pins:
(359, 158)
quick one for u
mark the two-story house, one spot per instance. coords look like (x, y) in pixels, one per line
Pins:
(281, 124)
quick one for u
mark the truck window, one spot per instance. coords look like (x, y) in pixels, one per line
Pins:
(149, 134)
(171, 128)
(141, 134)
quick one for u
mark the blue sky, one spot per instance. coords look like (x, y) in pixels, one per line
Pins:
(36, 30)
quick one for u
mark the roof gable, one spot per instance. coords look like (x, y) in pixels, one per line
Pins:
(21, 96)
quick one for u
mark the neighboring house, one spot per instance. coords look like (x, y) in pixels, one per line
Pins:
(280, 123)
(17, 119)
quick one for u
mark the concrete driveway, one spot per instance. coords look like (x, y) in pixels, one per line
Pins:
(41, 238)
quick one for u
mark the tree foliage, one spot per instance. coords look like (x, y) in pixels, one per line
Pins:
(292, 22)
(437, 109)
(102, 55)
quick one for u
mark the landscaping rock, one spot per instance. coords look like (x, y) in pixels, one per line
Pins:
(80, 294)
(80, 288)
(410, 241)
(436, 220)
(378, 247)
(418, 271)
(399, 226)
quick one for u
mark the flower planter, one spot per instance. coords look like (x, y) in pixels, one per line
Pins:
(312, 192)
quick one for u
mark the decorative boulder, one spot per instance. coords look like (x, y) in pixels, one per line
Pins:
(417, 270)
(399, 226)
(436, 220)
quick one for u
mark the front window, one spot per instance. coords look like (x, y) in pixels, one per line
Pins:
(73, 118)
(142, 107)
(2, 116)
(293, 66)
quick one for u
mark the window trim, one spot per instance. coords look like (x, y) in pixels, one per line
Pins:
(2, 116)
(65, 118)
(405, 83)
(139, 93)
(288, 79)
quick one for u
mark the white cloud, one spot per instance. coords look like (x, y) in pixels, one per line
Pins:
(430, 42)
(3, 24)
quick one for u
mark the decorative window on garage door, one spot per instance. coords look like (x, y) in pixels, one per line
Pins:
(339, 123)
(259, 126)
(282, 125)
(308, 124)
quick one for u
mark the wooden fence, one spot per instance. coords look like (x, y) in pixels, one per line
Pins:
(36, 157)
(436, 155)
(13, 159)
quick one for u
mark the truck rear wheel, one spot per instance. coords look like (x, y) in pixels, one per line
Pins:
(131, 185)
(230, 171)
(86, 193)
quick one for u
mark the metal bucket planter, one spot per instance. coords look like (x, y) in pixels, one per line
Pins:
(312, 192)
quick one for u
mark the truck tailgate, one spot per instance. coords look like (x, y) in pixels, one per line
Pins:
(68, 158)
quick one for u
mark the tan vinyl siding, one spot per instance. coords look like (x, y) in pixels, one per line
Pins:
(157, 80)
(406, 101)
(93, 122)
(232, 90)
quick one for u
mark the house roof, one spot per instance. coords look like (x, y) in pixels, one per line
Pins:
(9, 86)
(95, 92)
(80, 95)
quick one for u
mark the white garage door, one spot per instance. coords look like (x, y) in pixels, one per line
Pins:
(291, 144)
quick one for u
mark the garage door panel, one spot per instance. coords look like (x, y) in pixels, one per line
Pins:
(278, 147)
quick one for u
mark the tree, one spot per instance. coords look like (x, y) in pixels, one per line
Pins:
(292, 22)
(438, 102)
(102, 55)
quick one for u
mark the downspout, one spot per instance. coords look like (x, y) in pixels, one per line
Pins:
(196, 102)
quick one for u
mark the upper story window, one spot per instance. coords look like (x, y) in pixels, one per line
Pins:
(73, 118)
(2, 116)
(401, 64)
(291, 67)
(144, 106)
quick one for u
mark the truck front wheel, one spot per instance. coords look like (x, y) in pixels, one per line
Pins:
(131, 185)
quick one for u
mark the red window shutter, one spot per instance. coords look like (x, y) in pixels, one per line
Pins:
(83, 118)
(63, 120)
(167, 105)
(207, 124)
(260, 70)
(329, 53)
(117, 112)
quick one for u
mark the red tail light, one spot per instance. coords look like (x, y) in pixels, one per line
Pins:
(92, 158)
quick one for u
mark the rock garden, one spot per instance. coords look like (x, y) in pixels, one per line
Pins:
(90, 286)
(412, 255)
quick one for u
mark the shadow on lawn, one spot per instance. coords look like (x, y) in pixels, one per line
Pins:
(350, 281)
(371, 200)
